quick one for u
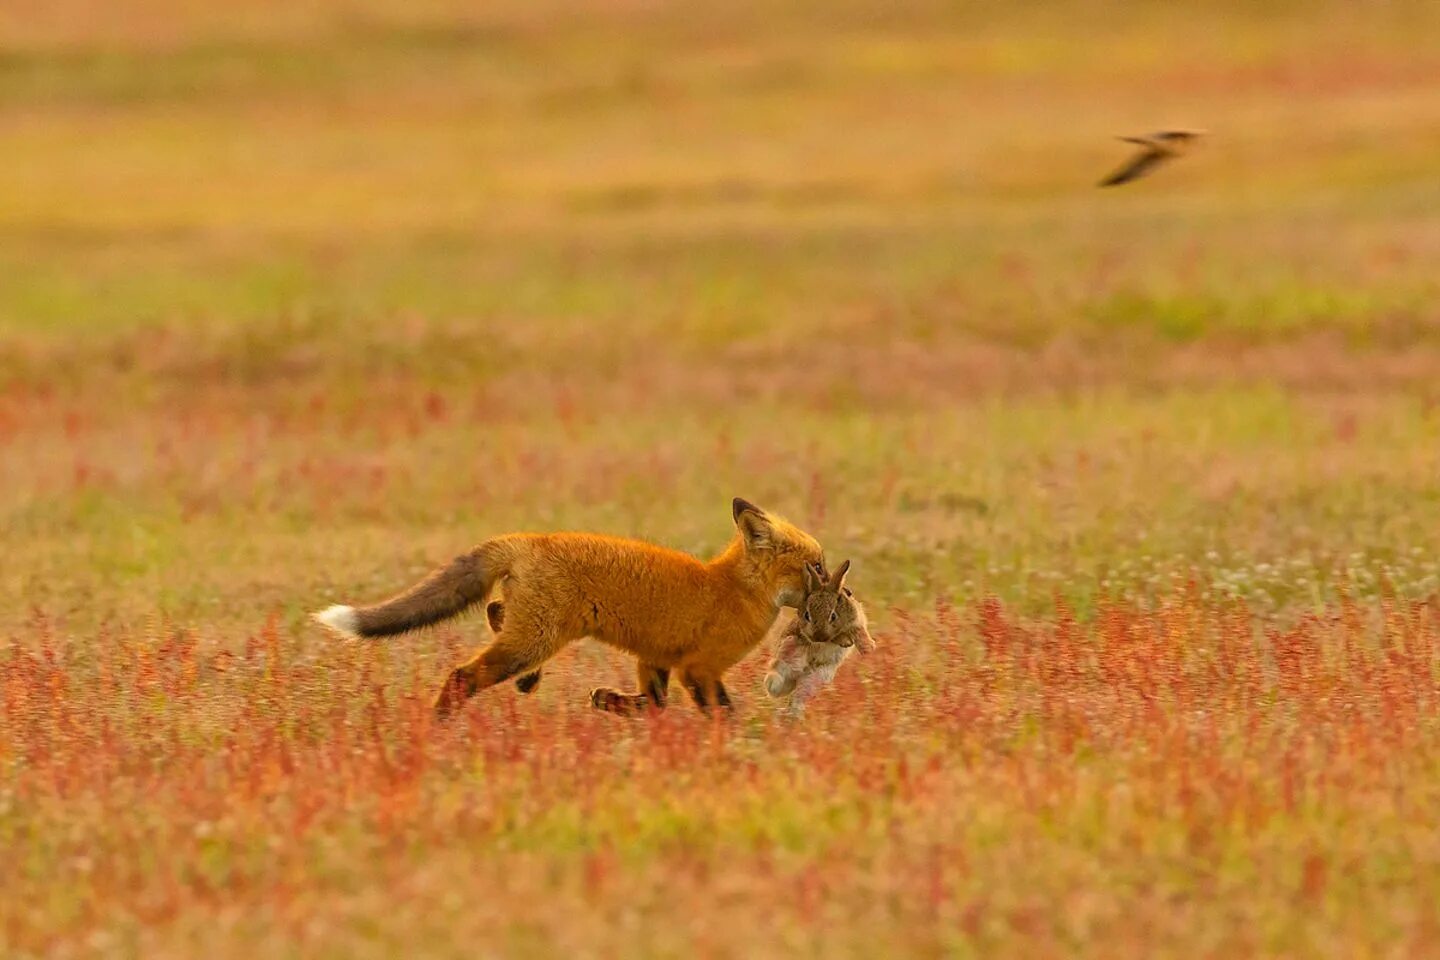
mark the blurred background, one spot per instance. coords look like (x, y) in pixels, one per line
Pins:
(298, 297)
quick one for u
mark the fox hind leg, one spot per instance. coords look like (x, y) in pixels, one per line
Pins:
(654, 692)
(495, 664)
(518, 651)
(495, 614)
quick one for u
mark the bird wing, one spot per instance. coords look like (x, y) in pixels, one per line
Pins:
(1139, 165)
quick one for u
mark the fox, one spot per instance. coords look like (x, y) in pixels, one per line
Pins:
(495, 616)
(671, 610)
(830, 624)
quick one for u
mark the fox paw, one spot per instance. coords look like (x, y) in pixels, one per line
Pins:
(612, 701)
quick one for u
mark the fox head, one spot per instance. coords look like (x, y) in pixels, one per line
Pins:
(776, 552)
(829, 613)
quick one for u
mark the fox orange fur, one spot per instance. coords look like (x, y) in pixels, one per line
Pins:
(672, 611)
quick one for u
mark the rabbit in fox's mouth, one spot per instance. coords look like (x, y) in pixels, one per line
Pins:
(831, 623)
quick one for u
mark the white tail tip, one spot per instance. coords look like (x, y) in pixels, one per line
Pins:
(341, 619)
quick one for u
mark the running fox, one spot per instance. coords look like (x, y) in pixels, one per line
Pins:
(830, 624)
(671, 610)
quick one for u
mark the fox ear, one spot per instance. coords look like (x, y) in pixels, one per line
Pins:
(752, 523)
(740, 505)
(837, 579)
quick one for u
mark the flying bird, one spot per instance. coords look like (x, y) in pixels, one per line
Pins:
(1156, 148)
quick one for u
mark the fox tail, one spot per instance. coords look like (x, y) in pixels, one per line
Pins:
(446, 592)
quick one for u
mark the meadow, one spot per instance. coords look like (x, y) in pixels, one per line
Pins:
(1140, 485)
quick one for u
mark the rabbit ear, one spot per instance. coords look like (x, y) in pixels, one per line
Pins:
(812, 581)
(837, 579)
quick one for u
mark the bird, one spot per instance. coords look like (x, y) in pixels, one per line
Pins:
(1156, 149)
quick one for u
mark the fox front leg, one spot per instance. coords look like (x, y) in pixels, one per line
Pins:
(708, 693)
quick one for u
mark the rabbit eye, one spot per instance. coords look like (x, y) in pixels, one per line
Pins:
(806, 615)
(834, 615)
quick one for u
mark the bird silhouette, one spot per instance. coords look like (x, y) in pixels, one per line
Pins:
(1156, 148)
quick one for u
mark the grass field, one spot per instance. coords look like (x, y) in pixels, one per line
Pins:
(1142, 486)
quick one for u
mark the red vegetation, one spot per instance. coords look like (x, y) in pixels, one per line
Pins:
(1150, 775)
